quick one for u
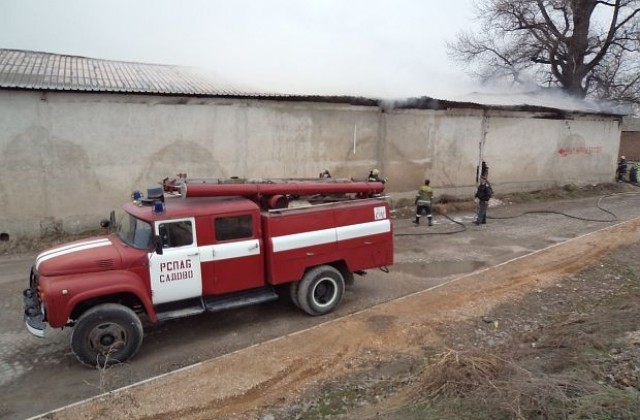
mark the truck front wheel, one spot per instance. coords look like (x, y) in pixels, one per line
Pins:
(106, 334)
(320, 290)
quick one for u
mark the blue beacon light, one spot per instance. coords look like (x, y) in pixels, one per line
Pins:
(158, 207)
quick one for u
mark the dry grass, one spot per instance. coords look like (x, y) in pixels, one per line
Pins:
(484, 385)
(25, 245)
(568, 191)
(455, 373)
(584, 364)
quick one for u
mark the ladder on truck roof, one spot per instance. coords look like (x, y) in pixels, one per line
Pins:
(275, 193)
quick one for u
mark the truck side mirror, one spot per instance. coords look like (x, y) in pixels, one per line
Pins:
(110, 223)
(157, 244)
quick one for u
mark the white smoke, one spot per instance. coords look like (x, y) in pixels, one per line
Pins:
(370, 48)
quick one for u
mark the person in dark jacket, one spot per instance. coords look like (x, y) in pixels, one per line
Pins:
(622, 169)
(633, 173)
(483, 194)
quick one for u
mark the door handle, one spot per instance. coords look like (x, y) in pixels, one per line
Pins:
(193, 255)
(255, 246)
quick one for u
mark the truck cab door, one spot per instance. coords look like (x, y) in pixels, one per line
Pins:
(234, 262)
(175, 275)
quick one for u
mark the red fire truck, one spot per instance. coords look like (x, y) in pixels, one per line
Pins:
(220, 245)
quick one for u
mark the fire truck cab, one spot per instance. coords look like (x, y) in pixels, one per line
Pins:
(218, 246)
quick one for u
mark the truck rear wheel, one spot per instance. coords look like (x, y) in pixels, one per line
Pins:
(320, 290)
(106, 334)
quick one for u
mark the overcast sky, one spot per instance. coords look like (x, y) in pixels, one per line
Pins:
(393, 48)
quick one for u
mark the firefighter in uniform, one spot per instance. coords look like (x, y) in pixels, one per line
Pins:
(374, 176)
(423, 202)
(622, 169)
(325, 174)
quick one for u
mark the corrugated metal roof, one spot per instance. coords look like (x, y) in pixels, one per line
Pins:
(20, 69)
(44, 71)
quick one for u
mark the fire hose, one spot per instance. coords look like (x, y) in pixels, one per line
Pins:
(613, 218)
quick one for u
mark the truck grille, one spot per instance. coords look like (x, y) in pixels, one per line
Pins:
(105, 264)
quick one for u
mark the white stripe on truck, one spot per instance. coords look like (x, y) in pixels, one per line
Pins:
(363, 229)
(325, 236)
(227, 251)
(303, 240)
(69, 249)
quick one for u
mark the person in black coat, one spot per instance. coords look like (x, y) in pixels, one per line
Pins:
(633, 174)
(483, 194)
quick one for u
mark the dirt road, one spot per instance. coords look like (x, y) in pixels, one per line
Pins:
(41, 375)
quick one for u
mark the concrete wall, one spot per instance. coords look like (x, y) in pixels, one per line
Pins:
(630, 145)
(630, 138)
(523, 150)
(68, 159)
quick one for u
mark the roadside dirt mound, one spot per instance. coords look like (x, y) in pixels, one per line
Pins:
(571, 350)
(447, 327)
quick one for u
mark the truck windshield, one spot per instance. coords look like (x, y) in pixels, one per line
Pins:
(135, 232)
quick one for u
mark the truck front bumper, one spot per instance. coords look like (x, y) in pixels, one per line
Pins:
(33, 316)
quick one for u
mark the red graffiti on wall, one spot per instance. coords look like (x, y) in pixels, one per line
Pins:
(582, 150)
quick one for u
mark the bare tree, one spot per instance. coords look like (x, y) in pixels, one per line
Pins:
(586, 47)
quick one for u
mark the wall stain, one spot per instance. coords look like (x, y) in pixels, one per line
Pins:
(55, 173)
(179, 157)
